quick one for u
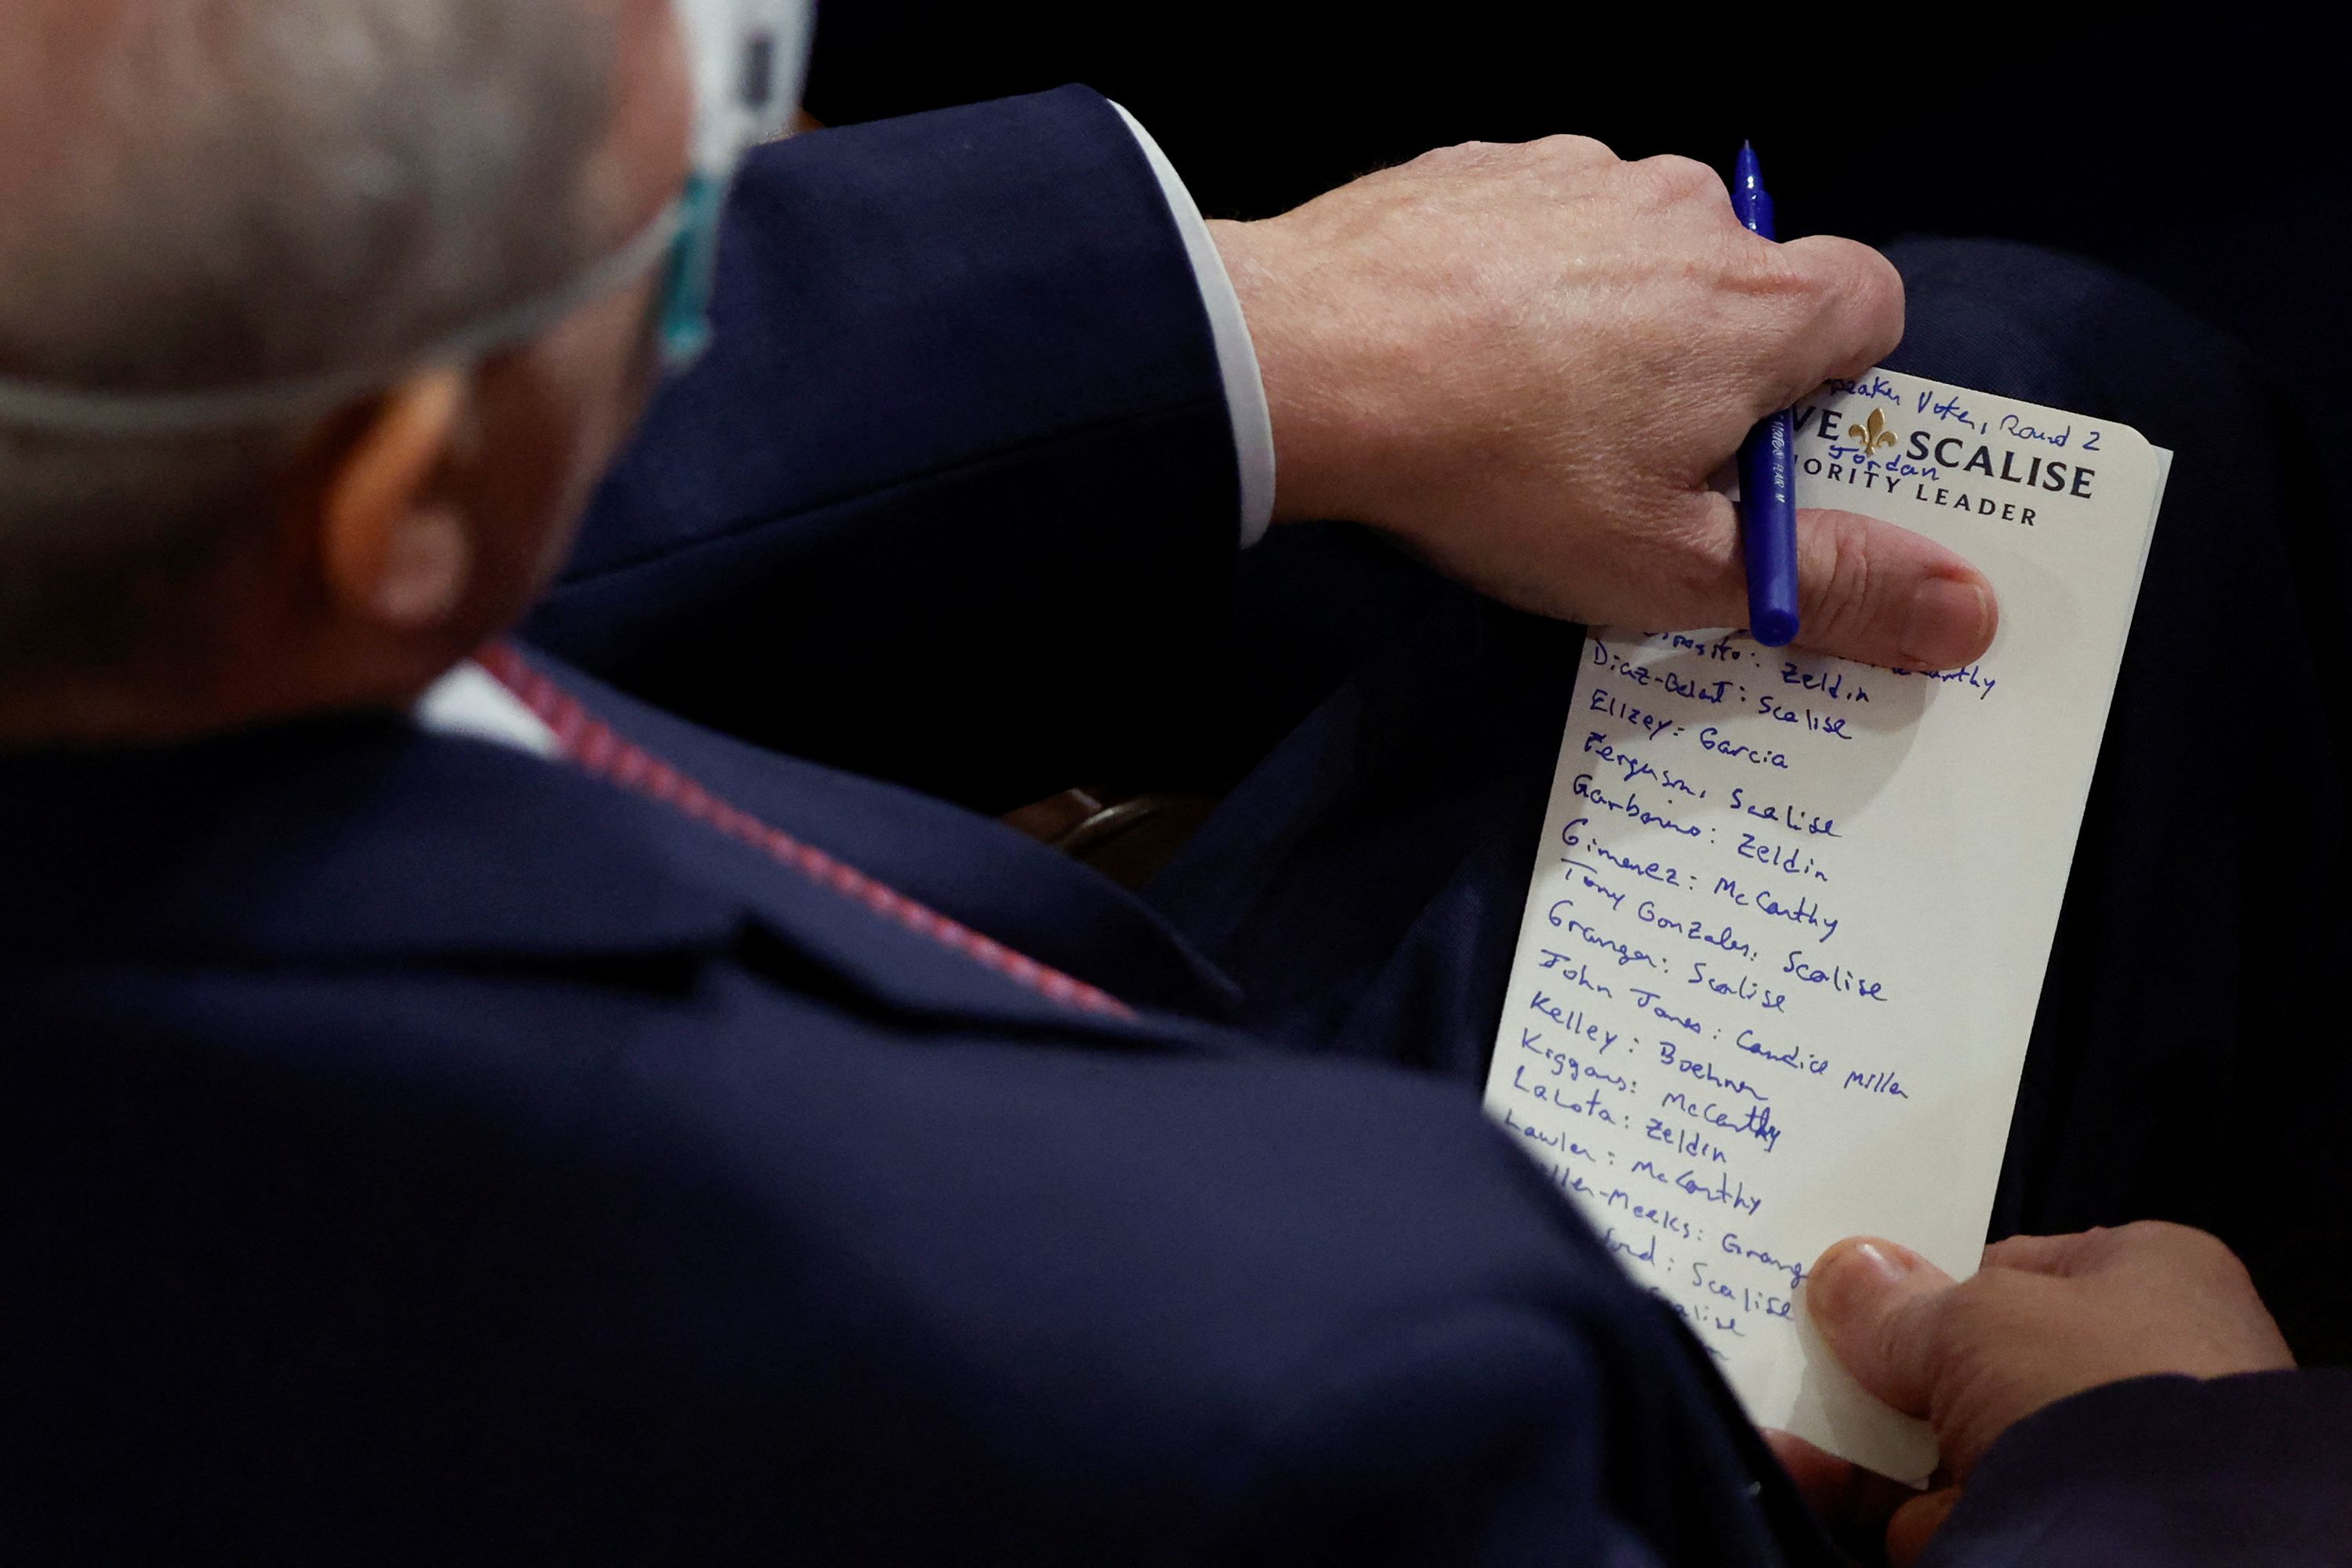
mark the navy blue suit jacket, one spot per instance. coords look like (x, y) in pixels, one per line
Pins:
(417, 1150)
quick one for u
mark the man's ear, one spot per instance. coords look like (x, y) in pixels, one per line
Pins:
(394, 552)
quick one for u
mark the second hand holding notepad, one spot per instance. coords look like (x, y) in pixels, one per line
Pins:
(1789, 914)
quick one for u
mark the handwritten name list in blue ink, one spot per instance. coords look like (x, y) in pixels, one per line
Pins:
(1661, 1054)
(1789, 913)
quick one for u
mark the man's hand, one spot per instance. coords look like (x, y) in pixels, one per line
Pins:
(1527, 363)
(2047, 1317)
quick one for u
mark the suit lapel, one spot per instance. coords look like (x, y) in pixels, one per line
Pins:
(973, 871)
(365, 839)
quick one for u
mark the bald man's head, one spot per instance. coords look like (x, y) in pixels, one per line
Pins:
(203, 195)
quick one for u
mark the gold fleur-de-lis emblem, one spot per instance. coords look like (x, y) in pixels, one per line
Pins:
(1873, 435)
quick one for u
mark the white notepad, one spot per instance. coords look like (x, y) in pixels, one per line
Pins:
(1789, 914)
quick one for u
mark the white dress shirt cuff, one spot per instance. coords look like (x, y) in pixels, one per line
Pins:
(1236, 355)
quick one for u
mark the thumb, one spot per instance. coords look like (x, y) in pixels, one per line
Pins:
(1881, 594)
(1877, 1304)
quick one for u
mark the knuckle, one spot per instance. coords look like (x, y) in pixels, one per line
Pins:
(1899, 1336)
(1575, 150)
(1984, 1296)
(1966, 1344)
(1702, 547)
(1860, 279)
(1789, 272)
(1460, 155)
(1879, 291)
(1832, 292)
(1960, 1319)
(2201, 1247)
(1676, 178)
(1996, 1307)
(1843, 581)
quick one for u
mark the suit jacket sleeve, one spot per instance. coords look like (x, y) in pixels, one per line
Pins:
(954, 498)
(2166, 1471)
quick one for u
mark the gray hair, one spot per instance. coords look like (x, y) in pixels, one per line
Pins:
(228, 193)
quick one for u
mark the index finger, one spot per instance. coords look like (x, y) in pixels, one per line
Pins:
(1853, 318)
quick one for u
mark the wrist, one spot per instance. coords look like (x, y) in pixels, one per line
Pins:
(1329, 432)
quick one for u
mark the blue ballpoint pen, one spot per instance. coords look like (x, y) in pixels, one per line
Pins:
(1768, 466)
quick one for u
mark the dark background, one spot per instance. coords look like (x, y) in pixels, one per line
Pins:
(2199, 150)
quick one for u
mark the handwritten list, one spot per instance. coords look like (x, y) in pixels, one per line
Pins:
(1789, 915)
